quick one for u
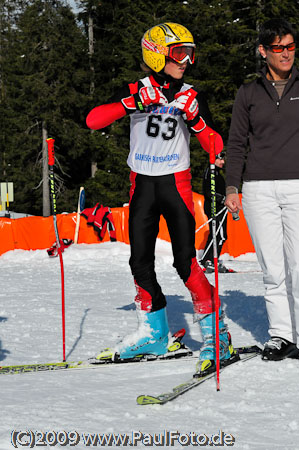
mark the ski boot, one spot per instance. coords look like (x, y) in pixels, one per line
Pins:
(151, 336)
(152, 340)
(175, 349)
(207, 356)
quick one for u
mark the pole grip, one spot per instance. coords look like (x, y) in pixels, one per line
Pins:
(51, 152)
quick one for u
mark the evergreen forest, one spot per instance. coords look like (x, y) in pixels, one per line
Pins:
(56, 64)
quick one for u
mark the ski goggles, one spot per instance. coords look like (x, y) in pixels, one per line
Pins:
(280, 48)
(182, 53)
(220, 155)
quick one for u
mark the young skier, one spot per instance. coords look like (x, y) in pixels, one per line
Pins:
(164, 111)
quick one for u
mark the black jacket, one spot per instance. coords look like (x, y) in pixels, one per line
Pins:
(271, 127)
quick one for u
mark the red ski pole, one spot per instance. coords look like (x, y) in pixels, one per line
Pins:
(214, 225)
(51, 161)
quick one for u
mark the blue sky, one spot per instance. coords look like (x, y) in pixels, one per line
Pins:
(73, 4)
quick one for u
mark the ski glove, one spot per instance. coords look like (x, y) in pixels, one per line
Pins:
(186, 101)
(152, 95)
(145, 97)
(64, 243)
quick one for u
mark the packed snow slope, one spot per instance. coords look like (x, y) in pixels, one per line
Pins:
(256, 407)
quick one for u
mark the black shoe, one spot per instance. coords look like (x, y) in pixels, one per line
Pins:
(278, 348)
(209, 267)
(223, 269)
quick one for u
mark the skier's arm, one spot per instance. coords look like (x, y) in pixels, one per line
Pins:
(102, 116)
(198, 118)
(203, 137)
(124, 103)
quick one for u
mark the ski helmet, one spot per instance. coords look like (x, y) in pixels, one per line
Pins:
(169, 40)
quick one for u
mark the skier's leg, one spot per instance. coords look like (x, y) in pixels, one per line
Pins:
(152, 334)
(207, 259)
(144, 221)
(221, 238)
(179, 214)
(207, 256)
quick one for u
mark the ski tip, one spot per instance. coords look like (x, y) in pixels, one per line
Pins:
(107, 354)
(147, 400)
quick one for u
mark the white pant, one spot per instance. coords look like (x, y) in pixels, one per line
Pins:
(271, 209)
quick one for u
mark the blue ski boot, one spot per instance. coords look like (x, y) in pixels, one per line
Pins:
(207, 356)
(150, 338)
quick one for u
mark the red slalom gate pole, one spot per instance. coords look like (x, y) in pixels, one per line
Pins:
(51, 162)
(214, 226)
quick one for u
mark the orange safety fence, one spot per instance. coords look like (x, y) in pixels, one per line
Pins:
(35, 232)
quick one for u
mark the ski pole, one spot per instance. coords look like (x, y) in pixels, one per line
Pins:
(208, 221)
(51, 161)
(217, 232)
(213, 214)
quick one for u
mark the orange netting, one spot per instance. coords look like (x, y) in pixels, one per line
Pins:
(32, 233)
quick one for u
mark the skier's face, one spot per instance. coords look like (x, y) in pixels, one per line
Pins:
(174, 69)
(219, 162)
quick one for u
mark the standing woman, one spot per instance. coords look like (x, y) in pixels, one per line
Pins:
(164, 112)
(266, 113)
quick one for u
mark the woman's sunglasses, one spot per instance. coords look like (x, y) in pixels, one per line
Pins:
(280, 48)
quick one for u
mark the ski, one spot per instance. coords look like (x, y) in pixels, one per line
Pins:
(246, 271)
(41, 367)
(232, 271)
(245, 353)
(55, 366)
(107, 357)
(209, 272)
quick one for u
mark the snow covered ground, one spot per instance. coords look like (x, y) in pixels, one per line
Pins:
(258, 401)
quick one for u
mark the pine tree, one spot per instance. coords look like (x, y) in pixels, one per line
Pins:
(49, 80)
(46, 88)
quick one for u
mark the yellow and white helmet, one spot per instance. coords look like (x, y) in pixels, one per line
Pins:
(169, 40)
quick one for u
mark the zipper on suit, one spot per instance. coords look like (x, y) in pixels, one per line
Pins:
(277, 105)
